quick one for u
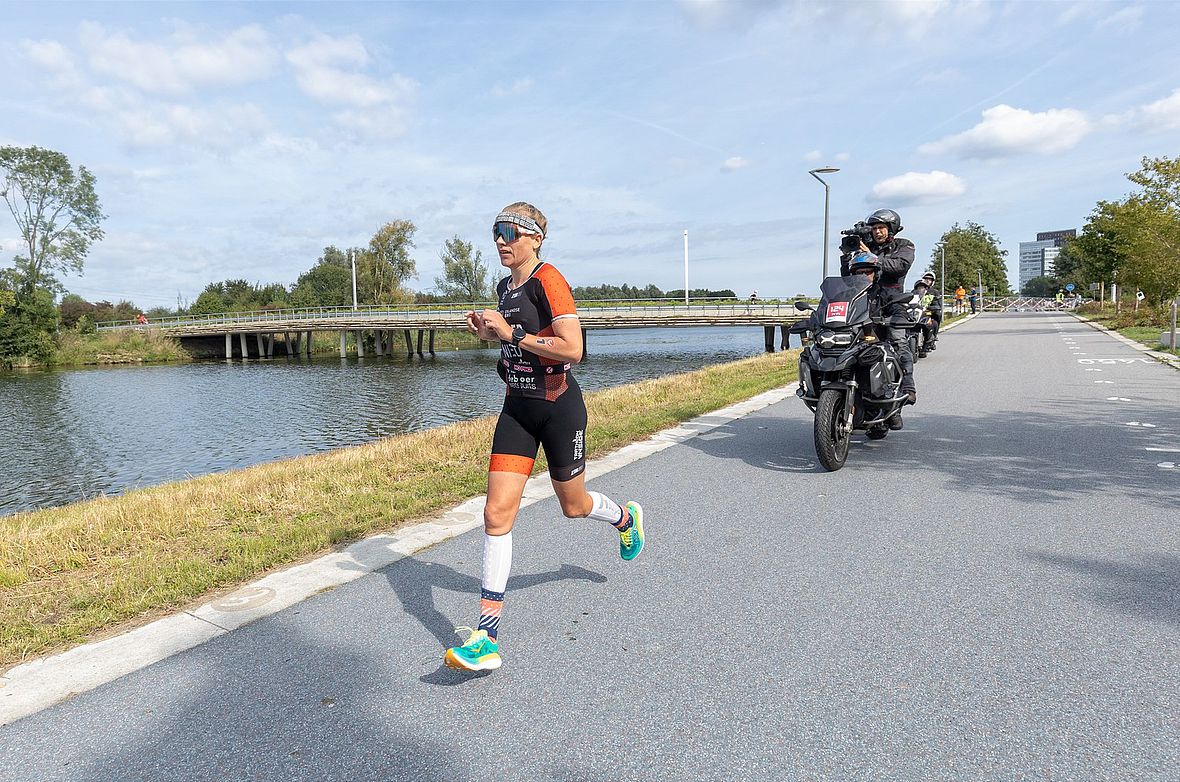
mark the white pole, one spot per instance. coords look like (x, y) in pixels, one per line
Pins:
(686, 267)
(352, 258)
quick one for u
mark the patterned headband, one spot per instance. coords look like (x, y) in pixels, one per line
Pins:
(526, 223)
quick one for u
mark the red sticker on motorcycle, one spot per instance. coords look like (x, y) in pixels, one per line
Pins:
(838, 310)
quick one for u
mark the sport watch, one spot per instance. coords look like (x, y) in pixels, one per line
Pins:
(517, 334)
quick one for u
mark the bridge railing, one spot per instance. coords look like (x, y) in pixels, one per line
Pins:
(409, 311)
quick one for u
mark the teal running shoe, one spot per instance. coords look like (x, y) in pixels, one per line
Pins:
(631, 541)
(478, 652)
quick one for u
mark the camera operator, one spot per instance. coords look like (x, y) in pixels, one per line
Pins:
(878, 234)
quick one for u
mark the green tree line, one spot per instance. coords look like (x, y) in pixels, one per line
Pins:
(1133, 241)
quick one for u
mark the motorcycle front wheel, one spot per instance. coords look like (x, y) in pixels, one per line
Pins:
(832, 433)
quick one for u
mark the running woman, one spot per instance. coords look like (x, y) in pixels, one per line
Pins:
(540, 338)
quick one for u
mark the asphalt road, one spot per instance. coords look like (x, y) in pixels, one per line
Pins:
(992, 593)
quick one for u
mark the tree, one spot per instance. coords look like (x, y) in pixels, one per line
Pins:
(72, 308)
(465, 275)
(324, 285)
(55, 209)
(26, 328)
(382, 269)
(1044, 287)
(967, 249)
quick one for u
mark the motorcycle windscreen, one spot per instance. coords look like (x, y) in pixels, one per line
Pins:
(843, 300)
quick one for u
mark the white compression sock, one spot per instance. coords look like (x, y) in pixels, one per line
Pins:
(605, 509)
(497, 561)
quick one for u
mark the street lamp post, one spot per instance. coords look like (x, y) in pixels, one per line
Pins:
(979, 289)
(352, 259)
(942, 276)
(686, 267)
(827, 192)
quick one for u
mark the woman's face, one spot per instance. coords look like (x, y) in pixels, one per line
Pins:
(522, 250)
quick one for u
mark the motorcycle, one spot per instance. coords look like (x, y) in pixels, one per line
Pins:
(848, 376)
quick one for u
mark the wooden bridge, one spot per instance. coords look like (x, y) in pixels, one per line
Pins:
(260, 333)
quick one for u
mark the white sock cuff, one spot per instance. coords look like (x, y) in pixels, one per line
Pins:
(497, 561)
(605, 509)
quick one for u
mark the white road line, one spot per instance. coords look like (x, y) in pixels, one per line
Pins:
(1163, 450)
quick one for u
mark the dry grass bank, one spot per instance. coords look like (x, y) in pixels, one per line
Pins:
(69, 572)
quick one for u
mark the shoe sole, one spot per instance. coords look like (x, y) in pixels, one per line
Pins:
(639, 528)
(456, 662)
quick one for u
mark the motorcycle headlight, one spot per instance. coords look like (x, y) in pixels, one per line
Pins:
(831, 339)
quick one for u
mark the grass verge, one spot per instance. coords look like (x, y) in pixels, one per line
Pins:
(67, 573)
(125, 346)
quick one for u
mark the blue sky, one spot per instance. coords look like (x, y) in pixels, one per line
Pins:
(237, 140)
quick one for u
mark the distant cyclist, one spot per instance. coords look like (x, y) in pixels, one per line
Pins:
(540, 337)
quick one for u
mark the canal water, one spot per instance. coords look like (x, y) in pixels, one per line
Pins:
(74, 434)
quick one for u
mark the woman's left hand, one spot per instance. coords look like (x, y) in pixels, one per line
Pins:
(493, 321)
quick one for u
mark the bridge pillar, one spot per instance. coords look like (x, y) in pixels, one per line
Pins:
(270, 345)
(419, 342)
(584, 345)
(287, 342)
(785, 344)
(409, 343)
(308, 344)
(768, 333)
(261, 346)
(432, 341)
(229, 347)
(360, 344)
(378, 338)
(245, 346)
(343, 337)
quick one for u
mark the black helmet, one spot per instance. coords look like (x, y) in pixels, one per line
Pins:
(888, 217)
(862, 262)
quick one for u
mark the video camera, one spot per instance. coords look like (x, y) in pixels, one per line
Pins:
(852, 237)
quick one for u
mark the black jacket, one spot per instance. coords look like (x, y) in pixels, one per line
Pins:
(897, 256)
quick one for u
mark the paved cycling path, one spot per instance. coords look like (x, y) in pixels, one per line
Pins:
(993, 592)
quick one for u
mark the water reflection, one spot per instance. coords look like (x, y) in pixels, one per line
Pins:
(79, 433)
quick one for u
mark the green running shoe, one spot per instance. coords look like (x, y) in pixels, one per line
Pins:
(478, 652)
(631, 541)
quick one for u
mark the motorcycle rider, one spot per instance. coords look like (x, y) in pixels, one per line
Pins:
(886, 302)
(929, 301)
(894, 256)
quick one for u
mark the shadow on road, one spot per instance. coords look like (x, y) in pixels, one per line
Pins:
(414, 581)
(1038, 458)
(1148, 590)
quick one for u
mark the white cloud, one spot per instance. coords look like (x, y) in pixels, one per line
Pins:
(950, 75)
(181, 63)
(50, 55)
(216, 127)
(518, 87)
(322, 71)
(712, 14)
(841, 157)
(1163, 114)
(1007, 131)
(919, 188)
(814, 156)
(733, 164)
(1123, 21)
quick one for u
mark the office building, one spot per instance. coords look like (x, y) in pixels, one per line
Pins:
(1037, 258)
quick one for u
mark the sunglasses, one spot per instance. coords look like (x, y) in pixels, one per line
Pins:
(863, 271)
(508, 232)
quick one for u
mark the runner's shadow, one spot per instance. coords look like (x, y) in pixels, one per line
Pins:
(414, 581)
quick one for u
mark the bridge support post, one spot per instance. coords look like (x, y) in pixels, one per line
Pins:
(419, 342)
(229, 347)
(768, 333)
(585, 349)
(785, 344)
(378, 338)
(409, 343)
(287, 343)
(432, 341)
(270, 345)
(245, 346)
(261, 345)
(343, 337)
(360, 344)
(308, 334)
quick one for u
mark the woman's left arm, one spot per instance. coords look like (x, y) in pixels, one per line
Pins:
(564, 345)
